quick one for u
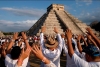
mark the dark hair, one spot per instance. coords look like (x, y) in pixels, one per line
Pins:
(15, 52)
(73, 45)
(81, 41)
(19, 34)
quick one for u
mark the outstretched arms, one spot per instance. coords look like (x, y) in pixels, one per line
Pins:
(38, 53)
(43, 29)
(94, 37)
(68, 34)
(24, 54)
(78, 43)
(12, 42)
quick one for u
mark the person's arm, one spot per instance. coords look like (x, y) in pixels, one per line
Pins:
(3, 50)
(78, 43)
(84, 40)
(89, 38)
(43, 29)
(25, 39)
(59, 39)
(12, 42)
(68, 34)
(94, 37)
(19, 43)
(58, 35)
(38, 53)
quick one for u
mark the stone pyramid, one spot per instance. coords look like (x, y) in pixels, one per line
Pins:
(56, 16)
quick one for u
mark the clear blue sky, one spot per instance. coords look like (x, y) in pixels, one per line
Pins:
(21, 15)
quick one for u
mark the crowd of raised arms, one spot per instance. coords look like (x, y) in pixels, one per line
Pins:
(80, 50)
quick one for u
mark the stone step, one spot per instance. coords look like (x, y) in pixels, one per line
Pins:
(51, 18)
(51, 21)
(52, 15)
(50, 24)
(69, 23)
(48, 20)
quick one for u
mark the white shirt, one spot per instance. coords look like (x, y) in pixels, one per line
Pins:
(82, 63)
(69, 61)
(11, 63)
(53, 56)
(3, 40)
(46, 65)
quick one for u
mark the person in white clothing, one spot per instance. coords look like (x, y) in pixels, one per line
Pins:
(9, 62)
(69, 61)
(92, 54)
(13, 53)
(38, 53)
(51, 48)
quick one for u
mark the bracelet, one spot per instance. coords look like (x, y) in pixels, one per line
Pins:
(43, 60)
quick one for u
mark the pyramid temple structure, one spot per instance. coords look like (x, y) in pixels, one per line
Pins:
(56, 16)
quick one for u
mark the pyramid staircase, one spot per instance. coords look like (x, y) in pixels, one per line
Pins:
(56, 16)
(69, 23)
(81, 24)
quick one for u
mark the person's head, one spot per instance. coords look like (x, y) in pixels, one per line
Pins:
(62, 35)
(15, 52)
(92, 52)
(51, 43)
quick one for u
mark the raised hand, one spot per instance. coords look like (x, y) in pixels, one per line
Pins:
(68, 33)
(94, 37)
(25, 39)
(15, 36)
(79, 37)
(24, 35)
(55, 30)
(20, 42)
(23, 55)
(78, 43)
(43, 29)
(89, 31)
(37, 51)
(89, 37)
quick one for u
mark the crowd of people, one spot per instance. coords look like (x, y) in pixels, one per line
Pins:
(80, 50)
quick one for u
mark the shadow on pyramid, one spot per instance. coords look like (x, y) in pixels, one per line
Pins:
(56, 16)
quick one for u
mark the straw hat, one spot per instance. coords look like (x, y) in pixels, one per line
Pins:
(51, 42)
